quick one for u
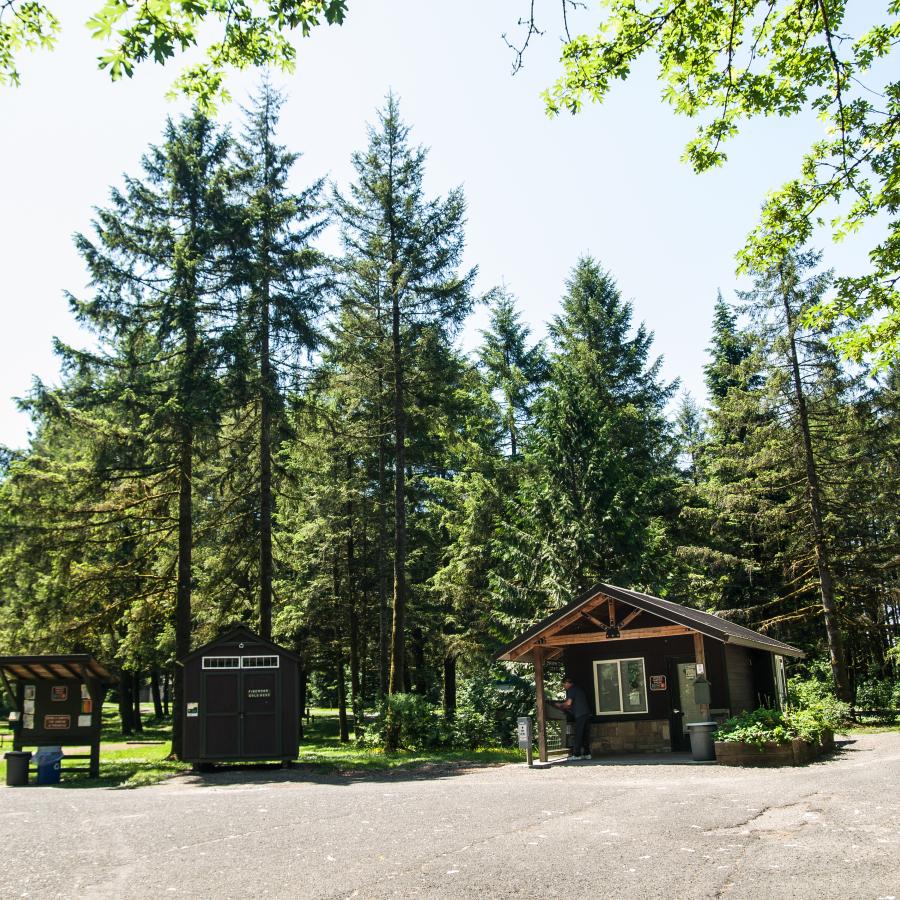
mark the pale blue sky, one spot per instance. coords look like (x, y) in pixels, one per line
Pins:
(540, 192)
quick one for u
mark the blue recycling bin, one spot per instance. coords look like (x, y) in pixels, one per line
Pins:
(48, 761)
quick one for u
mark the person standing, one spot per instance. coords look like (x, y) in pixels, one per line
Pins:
(576, 705)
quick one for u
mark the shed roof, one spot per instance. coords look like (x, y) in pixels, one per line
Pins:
(705, 623)
(237, 633)
(54, 667)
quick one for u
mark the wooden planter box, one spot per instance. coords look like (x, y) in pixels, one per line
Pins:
(797, 753)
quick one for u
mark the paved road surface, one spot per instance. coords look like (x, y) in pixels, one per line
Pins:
(587, 829)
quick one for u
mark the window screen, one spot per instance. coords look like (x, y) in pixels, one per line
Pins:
(221, 662)
(259, 662)
(620, 686)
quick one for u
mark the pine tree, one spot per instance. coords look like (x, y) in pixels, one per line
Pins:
(600, 455)
(157, 273)
(514, 370)
(405, 250)
(778, 301)
(279, 280)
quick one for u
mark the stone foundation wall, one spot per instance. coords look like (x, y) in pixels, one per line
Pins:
(637, 736)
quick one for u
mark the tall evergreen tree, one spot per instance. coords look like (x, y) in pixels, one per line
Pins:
(158, 277)
(409, 249)
(279, 280)
(514, 370)
(778, 301)
(600, 454)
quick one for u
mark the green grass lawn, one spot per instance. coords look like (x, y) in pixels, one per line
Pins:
(144, 760)
(323, 750)
(870, 729)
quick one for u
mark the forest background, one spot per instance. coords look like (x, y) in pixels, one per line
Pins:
(270, 432)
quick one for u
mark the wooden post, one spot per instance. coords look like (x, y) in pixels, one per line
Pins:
(539, 696)
(700, 658)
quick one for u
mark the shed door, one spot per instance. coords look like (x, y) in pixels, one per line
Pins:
(241, 714)
(222, 711)
(261, 719)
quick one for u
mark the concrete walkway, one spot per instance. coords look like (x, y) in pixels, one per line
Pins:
(585, 829)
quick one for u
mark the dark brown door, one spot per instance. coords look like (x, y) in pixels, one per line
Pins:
(221, 715)
(260, 724)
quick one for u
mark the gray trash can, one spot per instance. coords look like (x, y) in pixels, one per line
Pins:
(703, 735)
(17, 767)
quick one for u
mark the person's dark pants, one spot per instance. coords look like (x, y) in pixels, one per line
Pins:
(581, 743)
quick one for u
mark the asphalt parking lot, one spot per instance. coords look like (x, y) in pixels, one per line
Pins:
(586, 829)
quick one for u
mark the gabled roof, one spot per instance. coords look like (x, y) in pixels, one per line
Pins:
(238, 633)
(52, 667)
(705, 623)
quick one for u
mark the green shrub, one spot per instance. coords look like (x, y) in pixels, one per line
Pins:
(756, 726)
(419, 724)
(813, 711)
(881, 693)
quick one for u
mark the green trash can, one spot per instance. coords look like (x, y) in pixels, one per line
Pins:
(17, 767)
(703, 736)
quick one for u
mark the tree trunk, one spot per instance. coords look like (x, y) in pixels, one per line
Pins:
(355, 698)
(814, 494)
(138, 722)
(302, 685)
(156, 694)
(166, 685)
(126, 704)
(450, 687)
(265, 473)
(183, 590)
(384, 656)
(342, 701)
(399, 619)
(418, 661)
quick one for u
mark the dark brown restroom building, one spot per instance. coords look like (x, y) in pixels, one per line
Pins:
(639, 658)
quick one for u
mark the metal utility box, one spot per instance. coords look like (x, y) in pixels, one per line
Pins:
(241, 700)
(57, 701)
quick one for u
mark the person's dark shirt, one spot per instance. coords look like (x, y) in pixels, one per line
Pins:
(579, 705)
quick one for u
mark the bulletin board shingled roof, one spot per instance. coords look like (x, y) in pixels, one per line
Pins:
(54, 667)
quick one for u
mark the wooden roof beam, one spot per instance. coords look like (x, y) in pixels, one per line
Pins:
(595, 620)
(574, 616)
(630, 617)
(564, 640)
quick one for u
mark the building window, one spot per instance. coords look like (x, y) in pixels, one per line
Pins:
(259, 662)
(221, 662)
(620, 686)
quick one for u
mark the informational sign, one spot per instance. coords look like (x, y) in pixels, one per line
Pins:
(28, 721)
(84, 721)
(28, 706)
(259, 693)
(57, 723)
(690, 670)
(193, 710)
(87, 706)
(59, 693)
(658, 682)
(30, 690)
(85, 693)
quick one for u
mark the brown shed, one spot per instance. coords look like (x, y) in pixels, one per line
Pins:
(241, 700)
(57, 701)
(639, 659)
